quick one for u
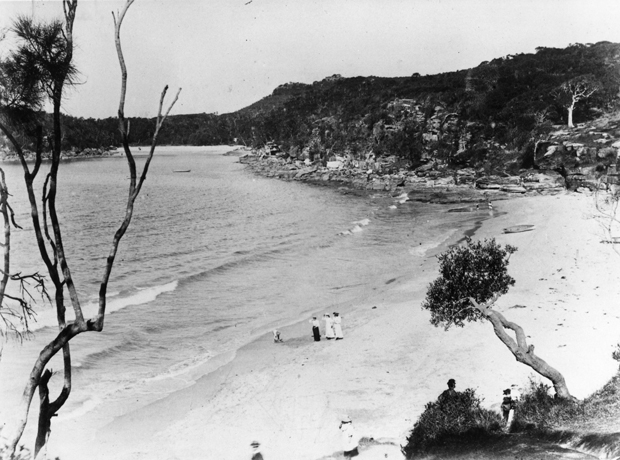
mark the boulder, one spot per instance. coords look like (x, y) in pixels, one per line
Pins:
(513, 189)
(444, 181)
(550, 150)
(302, 172)
(378, 185)
(334, 164)
(543, 177)
(421, 170)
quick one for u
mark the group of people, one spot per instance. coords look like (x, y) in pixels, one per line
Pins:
(333, 327)
(510, 398)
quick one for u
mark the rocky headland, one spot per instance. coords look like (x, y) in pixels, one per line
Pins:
(9, 155)
(582, 159)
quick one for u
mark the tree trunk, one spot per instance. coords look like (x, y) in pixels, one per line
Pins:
(570, 116)
(524, 353)
(44, 413)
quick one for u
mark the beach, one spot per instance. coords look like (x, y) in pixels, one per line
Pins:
(291, 396)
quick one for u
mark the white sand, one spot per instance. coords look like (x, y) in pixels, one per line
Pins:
(291, 396)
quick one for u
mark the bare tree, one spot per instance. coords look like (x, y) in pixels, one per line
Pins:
(573, 91)
(16, 311)
(47, 226)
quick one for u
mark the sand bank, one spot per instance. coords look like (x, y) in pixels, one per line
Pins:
(291, 396)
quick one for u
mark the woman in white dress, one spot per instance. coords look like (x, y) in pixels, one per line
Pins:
(338, 326)
(349, 438)
(329, 326)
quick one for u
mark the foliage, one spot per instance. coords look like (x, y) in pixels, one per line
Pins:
(43, 50)
(537, 409)
(475, 269)
(453, 418)
(616, 353)
(510, 102)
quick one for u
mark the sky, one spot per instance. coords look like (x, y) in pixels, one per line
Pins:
(227, 54)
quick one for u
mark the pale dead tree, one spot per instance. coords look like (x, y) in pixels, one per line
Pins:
(573, 91)
(50, 243)
(16, 311)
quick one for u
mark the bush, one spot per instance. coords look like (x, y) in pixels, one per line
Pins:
(616, 353)
(450, 420)
(537, 409)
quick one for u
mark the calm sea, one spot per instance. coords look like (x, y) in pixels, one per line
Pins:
(214, 257)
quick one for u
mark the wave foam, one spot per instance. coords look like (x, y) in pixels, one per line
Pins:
(116, 302)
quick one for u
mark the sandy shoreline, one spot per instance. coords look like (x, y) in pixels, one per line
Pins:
(291, 396)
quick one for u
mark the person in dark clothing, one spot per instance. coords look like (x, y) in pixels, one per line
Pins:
(316, 332)
(450, 392)
(256, 455)
(507, 404)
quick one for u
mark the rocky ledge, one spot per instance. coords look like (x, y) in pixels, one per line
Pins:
(428, 183)
(65, 154)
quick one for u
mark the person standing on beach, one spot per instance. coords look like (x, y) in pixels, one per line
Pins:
(338, 326)
(256, 455)
(507, 407)
(329, 329)
(350, 441)
(450, 392)
(316, 332)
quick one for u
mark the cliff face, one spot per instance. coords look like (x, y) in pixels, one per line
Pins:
(497, 116)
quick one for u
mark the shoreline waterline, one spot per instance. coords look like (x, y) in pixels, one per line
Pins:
(391, 362)
(208, 377)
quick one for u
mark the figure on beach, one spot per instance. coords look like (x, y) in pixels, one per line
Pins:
(450, 392)
(277, 338)
(337, 326)
(507, 408)
(316, 332)
(329, 326)
(256, 455)
(510, 398)
(350, 441)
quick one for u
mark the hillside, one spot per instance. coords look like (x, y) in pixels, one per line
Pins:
(493, 116)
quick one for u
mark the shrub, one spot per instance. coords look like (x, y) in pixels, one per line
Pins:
(537, 409)
(451, 420)
(616, 353)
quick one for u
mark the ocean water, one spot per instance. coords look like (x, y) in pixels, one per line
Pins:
(214, 258)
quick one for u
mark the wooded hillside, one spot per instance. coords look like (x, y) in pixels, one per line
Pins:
(467, 117)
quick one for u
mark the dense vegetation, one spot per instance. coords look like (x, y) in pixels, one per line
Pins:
(461, 428)
(474, 117)
(451, 420)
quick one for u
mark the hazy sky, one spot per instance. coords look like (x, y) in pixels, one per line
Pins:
(226, 54)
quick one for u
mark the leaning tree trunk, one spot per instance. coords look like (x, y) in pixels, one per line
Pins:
(523, 352)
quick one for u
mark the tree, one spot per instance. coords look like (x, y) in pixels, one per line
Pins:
(472, 277)
(15, 310)
(48, 48)
(573, 91)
